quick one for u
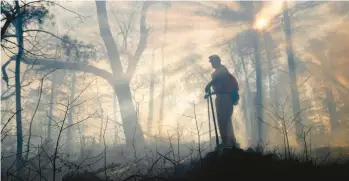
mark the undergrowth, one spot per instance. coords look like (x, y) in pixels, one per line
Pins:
(238, 164)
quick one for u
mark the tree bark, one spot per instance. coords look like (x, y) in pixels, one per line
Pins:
(259, 94)
(331, 104)
(132, 128)
(19, 32)
(115, 118)
(292, 72)
(163, 85)
(101, 116)
(331, 107)
(151, 95)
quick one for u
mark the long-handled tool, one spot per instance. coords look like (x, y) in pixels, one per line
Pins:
(209, 122)
(214, 118)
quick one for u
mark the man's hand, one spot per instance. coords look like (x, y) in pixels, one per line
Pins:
(208, 94)
(207, 88)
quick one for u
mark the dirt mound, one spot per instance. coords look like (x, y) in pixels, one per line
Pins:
(238, 164)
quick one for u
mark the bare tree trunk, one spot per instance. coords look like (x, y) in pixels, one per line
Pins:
(19, 32)
(247, 102)
(52, 95)
(71, 111)
(115, 118)
(101, 116)
(269, 65)
(292, 71)
(151, 95)
(132, 128)
(331, 104)
(273, 90)
(259, 95)
(163, 77)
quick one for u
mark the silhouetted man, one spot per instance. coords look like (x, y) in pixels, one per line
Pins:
(226, 89)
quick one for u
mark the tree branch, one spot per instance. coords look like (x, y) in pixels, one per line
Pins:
(7, 24)
(58, 64)
(134, 59)
(109, 43)
(47, 32)
(3, 98)
(334, 79)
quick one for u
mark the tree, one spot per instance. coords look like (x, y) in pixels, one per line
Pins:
(19, 33)
(78, 52)
(52, 96)
(330, 55)
(16, 16)
(247, 16)
(292, 71)
(30, 12)
(151, 94)
(122, 83)
(163, 87)
(118, 79)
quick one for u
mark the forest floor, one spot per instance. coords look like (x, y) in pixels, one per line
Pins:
(238, 164)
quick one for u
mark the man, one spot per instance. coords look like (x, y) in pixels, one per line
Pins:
(226, 89)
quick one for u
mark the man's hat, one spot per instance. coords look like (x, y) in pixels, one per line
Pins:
(214, 58)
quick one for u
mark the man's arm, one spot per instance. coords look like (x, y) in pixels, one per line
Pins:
(220, 75)
(217, 78)
(211, 83)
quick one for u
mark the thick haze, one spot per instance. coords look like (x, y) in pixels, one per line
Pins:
(195, 30)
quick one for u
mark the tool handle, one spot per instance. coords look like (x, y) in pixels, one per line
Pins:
(214, 119)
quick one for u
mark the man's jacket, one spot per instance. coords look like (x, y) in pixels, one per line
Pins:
(225, 83)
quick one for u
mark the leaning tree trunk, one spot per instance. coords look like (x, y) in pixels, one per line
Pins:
(132, 128)
(292, 72)
(151, 95)
(259, 87)
(331, 104)
(19, 32)
(70, 114)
